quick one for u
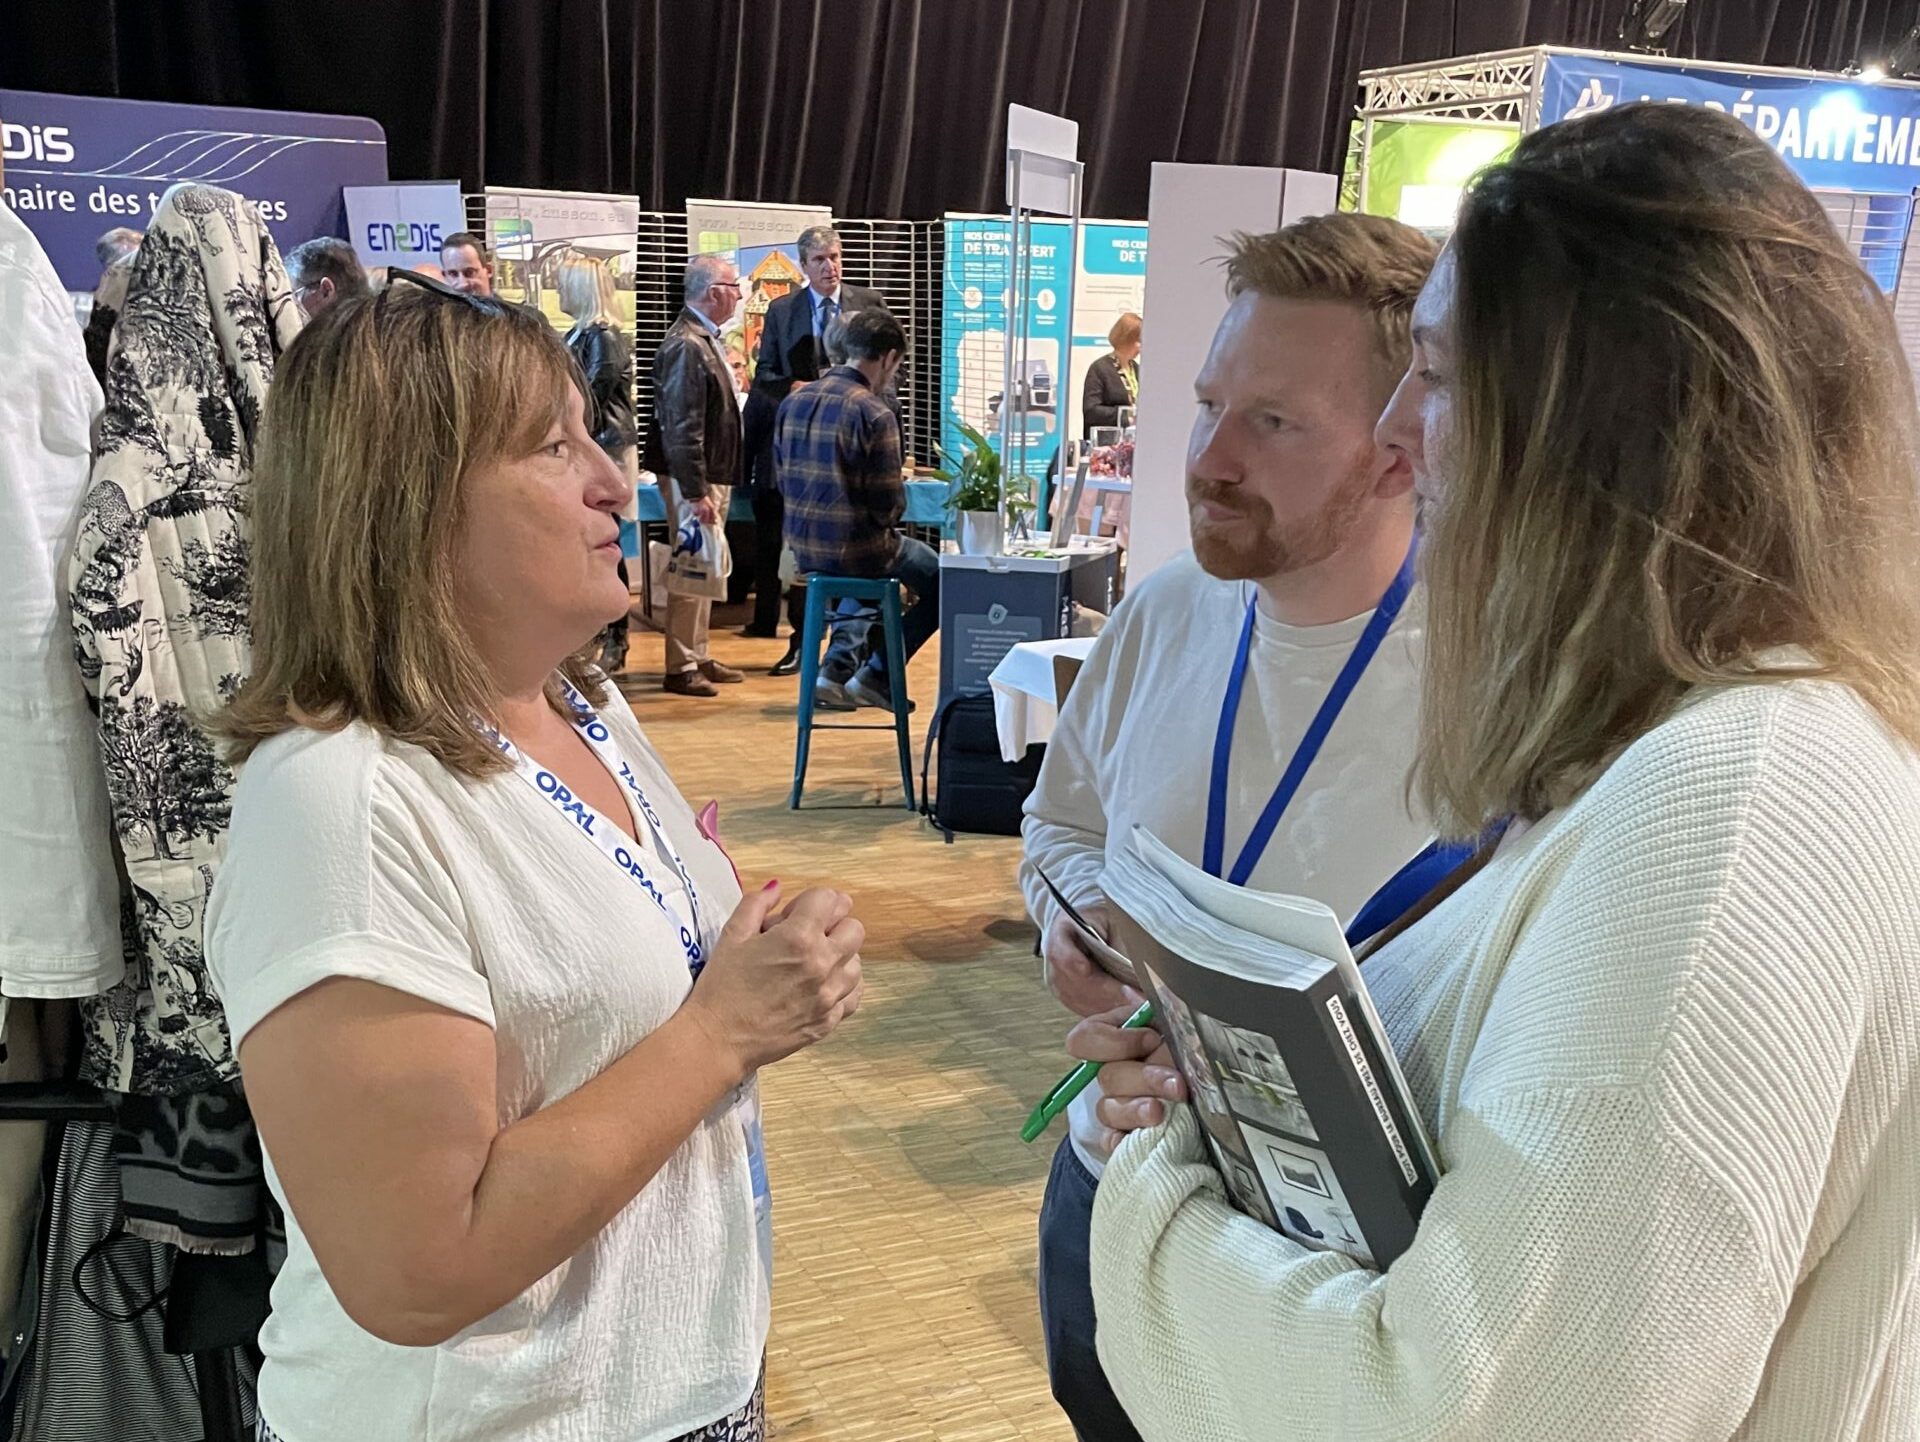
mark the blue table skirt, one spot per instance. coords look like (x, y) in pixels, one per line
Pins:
(926, 506)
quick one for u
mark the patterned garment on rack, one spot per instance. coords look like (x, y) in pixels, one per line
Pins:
(159, 594)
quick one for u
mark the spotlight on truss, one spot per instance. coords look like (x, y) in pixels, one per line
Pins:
(1903, 61)
(1648, 23)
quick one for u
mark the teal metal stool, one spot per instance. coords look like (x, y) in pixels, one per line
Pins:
(822, 592)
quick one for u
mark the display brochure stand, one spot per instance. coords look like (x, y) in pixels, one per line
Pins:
(1044, 176)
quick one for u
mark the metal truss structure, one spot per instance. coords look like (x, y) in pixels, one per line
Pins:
(1497, 89)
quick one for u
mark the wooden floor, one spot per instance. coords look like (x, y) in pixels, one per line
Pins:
(904, 1201)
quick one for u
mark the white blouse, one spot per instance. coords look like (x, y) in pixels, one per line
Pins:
(356, 855)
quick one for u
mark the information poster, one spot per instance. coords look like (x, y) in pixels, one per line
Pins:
(973, 338)
(533, 231)
(763, 240)
(403, 224)
(77, 166)
(1108, 281)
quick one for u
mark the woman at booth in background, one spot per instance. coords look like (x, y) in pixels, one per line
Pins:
(1113, 381)
(1665, 1037)
(499, 1004)
(586, 292)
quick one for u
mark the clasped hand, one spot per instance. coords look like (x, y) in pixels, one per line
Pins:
(781, 980)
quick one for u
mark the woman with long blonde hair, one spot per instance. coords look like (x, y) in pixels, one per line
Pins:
(599, 346)
(1665, 1033)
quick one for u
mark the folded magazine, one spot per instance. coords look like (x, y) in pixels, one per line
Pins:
(1302, 1101)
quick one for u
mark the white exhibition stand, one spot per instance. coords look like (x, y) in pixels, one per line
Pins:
(1190, 209)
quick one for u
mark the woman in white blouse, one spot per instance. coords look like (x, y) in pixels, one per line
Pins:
(1665, 1036)
(498, 1000)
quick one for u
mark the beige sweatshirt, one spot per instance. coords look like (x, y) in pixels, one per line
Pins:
(1134, 746)
(1669, 1044)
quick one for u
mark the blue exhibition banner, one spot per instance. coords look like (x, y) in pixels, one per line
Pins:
(1109, 280)
(405, 222)
(79, 165)
(1835, 134)
(973, 339)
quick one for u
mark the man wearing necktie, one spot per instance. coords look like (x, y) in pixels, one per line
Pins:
(792, 352)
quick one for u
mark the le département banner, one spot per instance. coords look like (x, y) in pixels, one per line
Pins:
(533, 231)
(763, 240)
(1836, 133)
(78, 165)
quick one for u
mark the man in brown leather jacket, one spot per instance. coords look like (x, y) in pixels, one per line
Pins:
(693, 445)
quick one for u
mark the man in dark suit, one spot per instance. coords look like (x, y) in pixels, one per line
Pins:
(693, 445)
(792, 352)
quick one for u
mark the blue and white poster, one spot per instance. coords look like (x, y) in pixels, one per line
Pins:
(1836, 134)
(79, 165)
(1109, 281)
(404, 223)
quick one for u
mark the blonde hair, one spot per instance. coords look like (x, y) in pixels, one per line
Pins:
(377, 414)
(1368, 261)
(586, 291)
(1684, 436)
(1124, 331)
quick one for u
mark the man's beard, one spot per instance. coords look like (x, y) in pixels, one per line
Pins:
(1252, 545)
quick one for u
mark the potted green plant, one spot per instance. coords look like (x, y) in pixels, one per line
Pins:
(973, 495)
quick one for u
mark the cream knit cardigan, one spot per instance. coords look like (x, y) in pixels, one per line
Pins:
(1667, 1043)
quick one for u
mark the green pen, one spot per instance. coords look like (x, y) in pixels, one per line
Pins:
(1077, 1080)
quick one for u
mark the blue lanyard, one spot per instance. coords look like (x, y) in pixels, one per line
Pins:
(1409, 886)
(1364, 650)
(611, 842)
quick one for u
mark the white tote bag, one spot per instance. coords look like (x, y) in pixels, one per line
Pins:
(701, 561)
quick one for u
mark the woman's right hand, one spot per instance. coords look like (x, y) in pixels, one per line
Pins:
(778, 982)
(1138, 1078)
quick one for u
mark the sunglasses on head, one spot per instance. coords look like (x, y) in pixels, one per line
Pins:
(486, 305)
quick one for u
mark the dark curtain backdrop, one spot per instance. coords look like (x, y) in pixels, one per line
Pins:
(876, 107)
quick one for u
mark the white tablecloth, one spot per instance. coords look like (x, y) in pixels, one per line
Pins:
(1025, 709)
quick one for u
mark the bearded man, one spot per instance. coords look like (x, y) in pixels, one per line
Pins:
(1255, 703)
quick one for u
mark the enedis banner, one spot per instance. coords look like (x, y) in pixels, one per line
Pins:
(404, 223)
(79, 165)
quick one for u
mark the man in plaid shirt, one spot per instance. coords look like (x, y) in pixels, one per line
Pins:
(837, 454)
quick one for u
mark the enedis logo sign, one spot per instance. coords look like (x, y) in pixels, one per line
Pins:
(50, 143)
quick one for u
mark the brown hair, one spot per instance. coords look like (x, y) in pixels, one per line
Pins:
(1364, 260)
(473, 240)
(1124, 331)
(377, 414)
(1684, 436)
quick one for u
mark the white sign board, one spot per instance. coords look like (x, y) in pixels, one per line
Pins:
(404, 223)
(1052, 137)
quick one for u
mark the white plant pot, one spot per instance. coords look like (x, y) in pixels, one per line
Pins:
(982, 533)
